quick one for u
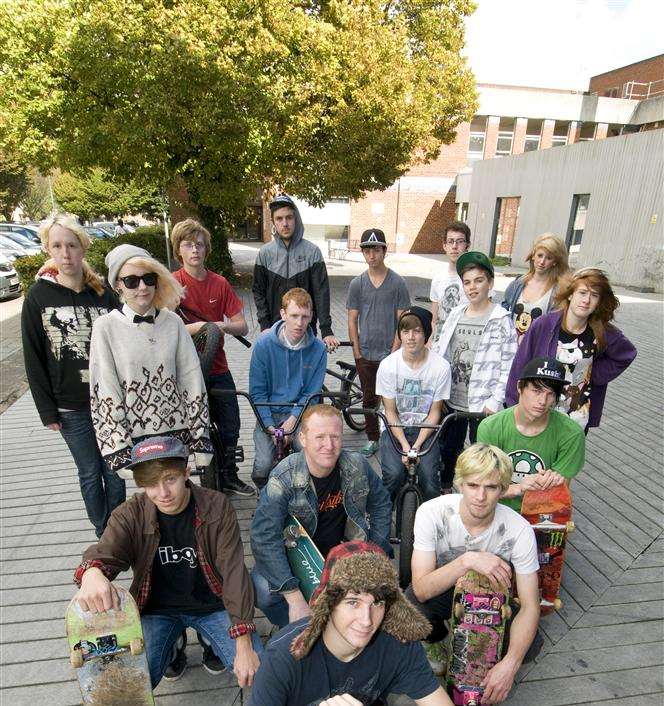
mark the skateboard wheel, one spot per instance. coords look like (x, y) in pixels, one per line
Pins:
(76, 658)
(458, 611)
(571, 526)
(557, 604)
(506, 612)
(136, 646)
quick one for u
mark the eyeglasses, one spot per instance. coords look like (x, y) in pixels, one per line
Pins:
(189, 245)
(461, 241)
(132, 281)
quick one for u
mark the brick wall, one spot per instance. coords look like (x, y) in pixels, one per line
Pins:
(601, 131)
(547, 134)
(491, 140)
(642, 72)
(573, 132)
(509, 209)
(519, 140)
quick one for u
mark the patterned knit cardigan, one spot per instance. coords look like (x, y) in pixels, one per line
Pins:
(145, 380)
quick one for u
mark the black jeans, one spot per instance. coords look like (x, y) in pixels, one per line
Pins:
(436, 610)
(451, 445)
(225, 412)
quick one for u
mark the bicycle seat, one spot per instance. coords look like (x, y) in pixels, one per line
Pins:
(346, 366)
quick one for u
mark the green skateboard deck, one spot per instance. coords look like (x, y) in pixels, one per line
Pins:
(108, 654)
(303, 556)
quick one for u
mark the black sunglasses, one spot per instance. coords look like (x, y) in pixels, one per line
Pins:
(132, 281)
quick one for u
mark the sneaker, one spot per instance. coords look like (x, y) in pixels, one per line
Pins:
(436, 653)
(369, 449)
(211, 663)
(232, 484)
(178, 664)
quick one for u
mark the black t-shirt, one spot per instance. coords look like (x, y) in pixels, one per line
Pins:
(385, 666)
(331, 512)
(178, 583)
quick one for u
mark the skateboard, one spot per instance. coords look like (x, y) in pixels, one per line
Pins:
(550, 514)
(303, 556)
(108, 654)
(479, 617)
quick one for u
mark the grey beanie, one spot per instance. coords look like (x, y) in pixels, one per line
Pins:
(118, 256)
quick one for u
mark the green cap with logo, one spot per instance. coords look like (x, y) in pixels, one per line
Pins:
(474, 257)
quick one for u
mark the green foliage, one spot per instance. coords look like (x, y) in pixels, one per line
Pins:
(151, 238)
(94, 194)
(36, 203)
(14, 183)
(501, 260)
(322, 98)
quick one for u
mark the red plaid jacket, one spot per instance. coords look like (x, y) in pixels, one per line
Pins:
(131, 540)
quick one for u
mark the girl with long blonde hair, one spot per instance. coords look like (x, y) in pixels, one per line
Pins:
(56, 322)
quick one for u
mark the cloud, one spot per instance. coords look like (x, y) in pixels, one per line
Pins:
(560, 43)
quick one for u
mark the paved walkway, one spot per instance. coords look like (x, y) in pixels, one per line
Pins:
(604, 646)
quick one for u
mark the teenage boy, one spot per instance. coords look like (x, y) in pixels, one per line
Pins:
(457, 533)
(546, 447)
(479, 341)
(291, 261)
(335, 494)
(376, 300)
(183, 544)
(210, 298)
(446, 289)
(287, 366)
(413, 383)
(360, 644)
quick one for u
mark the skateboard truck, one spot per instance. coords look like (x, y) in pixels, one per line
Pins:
(291, 535)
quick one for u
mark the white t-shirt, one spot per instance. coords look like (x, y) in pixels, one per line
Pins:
(414, 390)
(438, 527)
(447, 290)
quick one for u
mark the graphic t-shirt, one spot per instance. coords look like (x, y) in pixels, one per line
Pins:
(526, 312)
(439, 529)
(178, 583)
(331, 512)
(377, 308)
(576, 353)
(560, 447)
(463, 346)
(211, 299)
(385, 666)
(447, 291)
(414, 390)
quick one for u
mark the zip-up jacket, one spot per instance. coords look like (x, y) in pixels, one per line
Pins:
(56, 326)
(279, 268)
(513, 292)
(279, 374)
(290, 491)
(493, 358)
(131, 540)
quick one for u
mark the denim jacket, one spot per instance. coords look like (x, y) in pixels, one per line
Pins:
(290, 491)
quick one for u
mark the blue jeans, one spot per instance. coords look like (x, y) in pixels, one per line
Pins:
(225, 413)
(394, 471)
(102, 489)
(272, 604)
(161, 632)
(265, 451)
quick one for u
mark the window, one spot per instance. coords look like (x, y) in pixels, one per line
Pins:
(587, 132)
(577, 221)
(612, 92)
(613, 130)
(462, 211)
(477, 137)
(505, 136)
(560, 131)
(533, 134)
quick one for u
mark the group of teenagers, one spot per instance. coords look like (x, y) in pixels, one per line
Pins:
(113, 368)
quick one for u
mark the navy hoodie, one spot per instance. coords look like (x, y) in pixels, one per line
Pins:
(56, 325)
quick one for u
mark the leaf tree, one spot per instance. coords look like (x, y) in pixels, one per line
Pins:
(323, 98)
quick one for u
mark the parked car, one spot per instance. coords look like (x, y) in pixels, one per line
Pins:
(9, 284)
(10, 249)
(25, 229)
(95, 233)
(30, 247)
(110, 227)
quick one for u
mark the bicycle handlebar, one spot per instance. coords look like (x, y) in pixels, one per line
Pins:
(431, 439)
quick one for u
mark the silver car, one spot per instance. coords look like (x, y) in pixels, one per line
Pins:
(9, 284)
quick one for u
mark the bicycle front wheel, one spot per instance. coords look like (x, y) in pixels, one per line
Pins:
(350, 388)
(409, 504)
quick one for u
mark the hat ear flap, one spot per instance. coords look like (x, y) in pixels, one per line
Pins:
(405, 622)
(321, 612)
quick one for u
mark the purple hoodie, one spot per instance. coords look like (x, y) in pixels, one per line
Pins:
(541, 339)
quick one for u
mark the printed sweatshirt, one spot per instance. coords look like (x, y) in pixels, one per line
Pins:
(493, 359)
(279, 374)
(56, 325)
(145, 380)
(279, 268)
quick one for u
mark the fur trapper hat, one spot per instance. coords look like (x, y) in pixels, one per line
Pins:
(360, 567)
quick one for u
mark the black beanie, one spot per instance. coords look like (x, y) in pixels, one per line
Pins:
(425, 317)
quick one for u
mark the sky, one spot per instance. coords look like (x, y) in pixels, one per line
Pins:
(560, 43)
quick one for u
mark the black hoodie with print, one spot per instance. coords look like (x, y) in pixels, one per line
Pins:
(56, 325)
